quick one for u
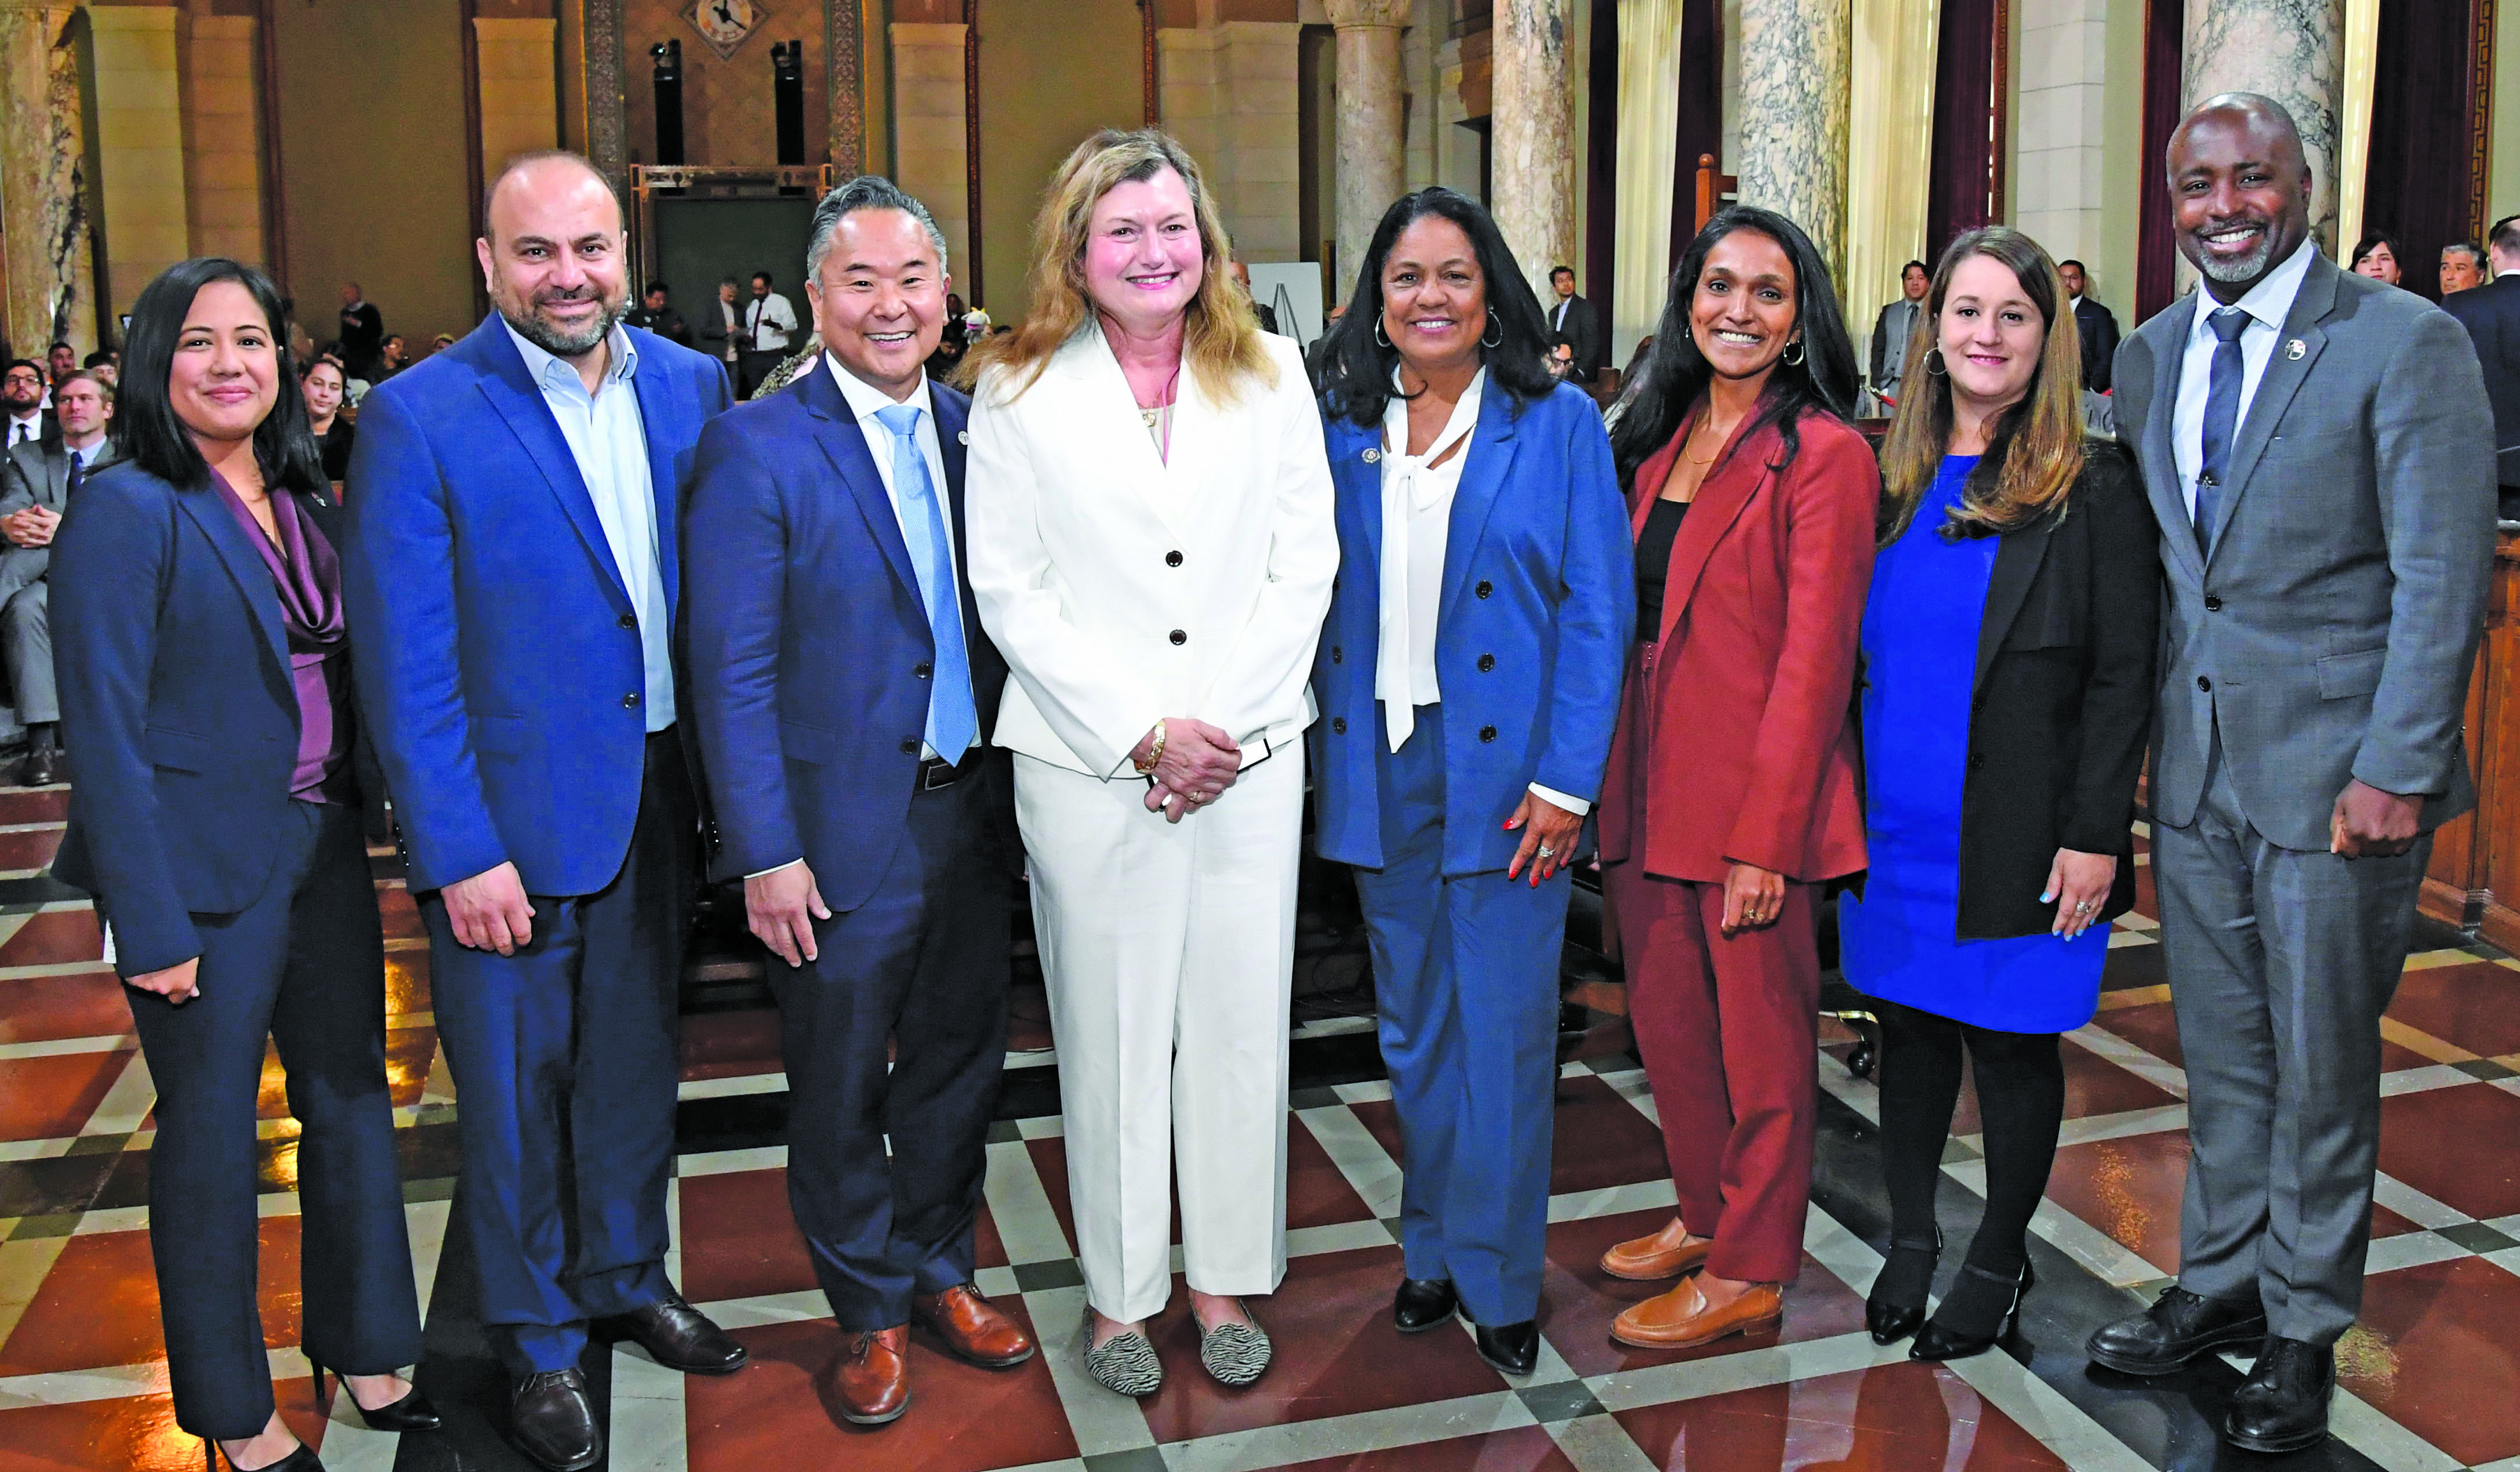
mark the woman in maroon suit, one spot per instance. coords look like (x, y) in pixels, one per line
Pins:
(1732, 795)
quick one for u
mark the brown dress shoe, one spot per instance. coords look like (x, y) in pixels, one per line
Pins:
(871, 1380)
(971, 1328)
(1681, 1320)
(1667, 1254)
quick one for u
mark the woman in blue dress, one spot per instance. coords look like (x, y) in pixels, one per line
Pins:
(2006, 697)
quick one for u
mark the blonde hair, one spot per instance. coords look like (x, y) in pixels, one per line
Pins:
(1221, 334)
(2035, 449)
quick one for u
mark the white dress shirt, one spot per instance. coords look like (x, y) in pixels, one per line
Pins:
(26, 431)
(2267, 304)
(1417, 531)
(864, 401)
(770, 319)
(734, 327)
(608, 440)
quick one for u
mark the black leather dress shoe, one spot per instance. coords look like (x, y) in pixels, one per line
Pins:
(2178, 1327)
(2282, 1406)
(679, 1336)
(553, 1422)
(1421, 1304)
(41, 768)
(1513, 1349)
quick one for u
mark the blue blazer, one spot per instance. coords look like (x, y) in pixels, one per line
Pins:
(498, 648)
(1538, 605)
(176, 692)
(810, 650)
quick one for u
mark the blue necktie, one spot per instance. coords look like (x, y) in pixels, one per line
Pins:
(952, 722)
(2222, 418)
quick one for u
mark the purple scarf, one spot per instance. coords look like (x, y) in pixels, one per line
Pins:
(308, 579)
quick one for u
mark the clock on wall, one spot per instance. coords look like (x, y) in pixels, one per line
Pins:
(725, 23)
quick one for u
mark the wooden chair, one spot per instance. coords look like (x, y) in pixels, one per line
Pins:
(1713, 189)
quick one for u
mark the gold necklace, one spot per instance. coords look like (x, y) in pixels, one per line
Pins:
(1692, 435)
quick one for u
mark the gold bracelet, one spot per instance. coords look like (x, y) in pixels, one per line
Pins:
(1154, 754)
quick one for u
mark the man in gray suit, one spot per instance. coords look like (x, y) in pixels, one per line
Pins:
(35, 484)
(2319, 453)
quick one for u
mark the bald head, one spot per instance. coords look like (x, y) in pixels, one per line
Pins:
(2239, 190)
(552, 253)
(546, 174)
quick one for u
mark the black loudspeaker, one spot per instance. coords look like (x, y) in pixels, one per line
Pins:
(788, 92)
(668, 57)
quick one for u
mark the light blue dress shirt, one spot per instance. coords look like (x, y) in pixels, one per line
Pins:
(610, 442)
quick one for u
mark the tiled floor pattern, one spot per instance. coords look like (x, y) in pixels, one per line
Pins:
(2429, 1381)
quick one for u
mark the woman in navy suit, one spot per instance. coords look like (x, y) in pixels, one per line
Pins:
(1469, 680)
(196, 612)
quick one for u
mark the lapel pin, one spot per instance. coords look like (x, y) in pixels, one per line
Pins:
(1372, 456)
(2295, 348)
(961, 437)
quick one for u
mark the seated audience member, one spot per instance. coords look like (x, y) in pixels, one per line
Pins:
(334, 433)
(442, 341)
(61, 360)
(102, 365)
(1561, 359)
(22, 399)
(2462, 267)
(2377, 258)
(392, 358)
(656, 315)
(2491, 317)
(36, 481)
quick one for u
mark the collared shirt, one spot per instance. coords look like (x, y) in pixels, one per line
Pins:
(2267, 304)
(864, 400)
(770, 319)
(83, 458)
(26, 431)
(1558, 314)
(1900, 317)
(734, 325)
(608, 440)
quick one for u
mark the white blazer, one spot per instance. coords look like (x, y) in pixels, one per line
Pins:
(1123, 589)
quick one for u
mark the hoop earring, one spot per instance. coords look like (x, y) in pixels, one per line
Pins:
(1380, 341)
(1792, 356)
(1934, 362)
(1500, 331)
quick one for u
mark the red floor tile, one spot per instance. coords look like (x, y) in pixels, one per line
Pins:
(2440, 1362)
(18, 805)
(731, 1044)
(53, 938)
(1524, 1449)
(99, 1305)
(2155, 1028)
(1317, 1192)
(1904, 1418)
(1578, 1300)
(410, 1052)
(2474, 1007)
(1335, 1354)
(1600, 1139)
(2129, 1189)
(47, 1099)
(2093, 1086)
(1027, 1018)
(2147, 901)
(740, 1238)
(1049, 1162)
(400, 915)
(2456, 1146)
(28, 848)
(48, 1008)
(961, 1419)
(137, 1432)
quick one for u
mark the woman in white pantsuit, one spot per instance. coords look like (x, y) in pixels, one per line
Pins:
(1151, 547)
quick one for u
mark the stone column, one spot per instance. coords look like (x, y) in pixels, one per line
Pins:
(2290, 50)
(930, 147)
(223, 182)
(519, 88)
(1795, 76)
(1532, 133)
(51, 287)
(139, 147)
(1369, 142)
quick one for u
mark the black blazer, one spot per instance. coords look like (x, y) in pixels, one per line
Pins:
(2063, 701)
(2491, 313)
(2098, 327)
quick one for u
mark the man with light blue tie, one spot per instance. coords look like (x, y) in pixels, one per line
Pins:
(2319, 451)
(843, 690)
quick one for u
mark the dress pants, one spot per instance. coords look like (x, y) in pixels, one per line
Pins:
(27, 643)
(2280, 964)
(564, 1058)
(920, 964)
(304, 966)
(1465, 986)
(1169, 953)
(1729, 1036)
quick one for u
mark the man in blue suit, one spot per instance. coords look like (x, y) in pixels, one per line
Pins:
(842, 691)
(510, 568)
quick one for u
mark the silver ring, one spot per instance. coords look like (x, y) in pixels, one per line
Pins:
(2083, 908)
(1547, 851)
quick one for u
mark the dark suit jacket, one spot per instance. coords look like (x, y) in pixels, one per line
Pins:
(500, 660)
(1581, 331)
(180, 705)
(667, 324)
(2098, 327)
(363, 337)
(38, 475)
(811, 654)
(2491, 313)
(2063, 700)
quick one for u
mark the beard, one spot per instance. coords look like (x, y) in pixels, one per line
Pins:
(2235, 268)
(545, 332)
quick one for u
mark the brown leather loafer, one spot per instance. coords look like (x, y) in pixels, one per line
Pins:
(1667, 1254)
(971, 1328)
(871, 1380)
(1681, 1320)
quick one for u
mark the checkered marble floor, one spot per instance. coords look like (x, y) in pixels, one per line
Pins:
(2428, 1383)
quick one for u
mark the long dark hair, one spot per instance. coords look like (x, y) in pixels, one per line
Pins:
(145, 423)
(1650, 408)
(1352, 368)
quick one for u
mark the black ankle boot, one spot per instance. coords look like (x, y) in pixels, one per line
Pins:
(1980, 1313)
(1897, 1304)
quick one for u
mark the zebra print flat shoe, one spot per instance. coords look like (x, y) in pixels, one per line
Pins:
(1125, 1364)
(1235, 1353)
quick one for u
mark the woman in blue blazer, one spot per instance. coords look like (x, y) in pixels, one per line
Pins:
(1468, 681)
(204, 669)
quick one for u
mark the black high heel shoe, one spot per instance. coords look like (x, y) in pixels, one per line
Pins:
(303, 1459)
(1891, 1318)
(1935, 1341)
(413, 1412)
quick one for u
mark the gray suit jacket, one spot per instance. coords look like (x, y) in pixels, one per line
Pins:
(37, 475)
(2332, 632)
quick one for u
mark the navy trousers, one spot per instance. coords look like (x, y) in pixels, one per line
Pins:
(1466, 983)
(304, 966)
(566, 1062)
(922, 964)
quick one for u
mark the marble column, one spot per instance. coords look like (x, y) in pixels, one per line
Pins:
(519, 94)
(139, 145)
(1532, 133)
(1795, 77)
(44, 216)
(931, 148)
(2290, 50)
(1369, 125)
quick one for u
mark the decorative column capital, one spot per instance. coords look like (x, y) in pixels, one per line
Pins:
(1360, 15)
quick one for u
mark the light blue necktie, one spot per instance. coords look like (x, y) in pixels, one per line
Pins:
(952, 722)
